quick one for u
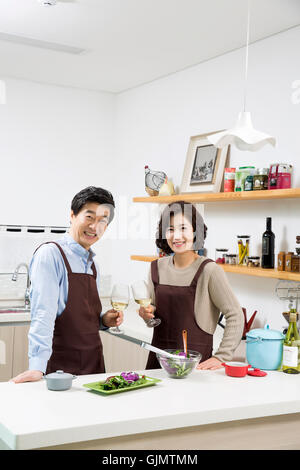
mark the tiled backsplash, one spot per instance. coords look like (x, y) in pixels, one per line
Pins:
(18, 246)
(18, 243)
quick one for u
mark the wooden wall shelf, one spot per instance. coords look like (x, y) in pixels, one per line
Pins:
(244, 270)
(218, 197)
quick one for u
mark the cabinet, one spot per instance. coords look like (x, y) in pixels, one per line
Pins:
(275, 194)
(13, 351)
(120, 355)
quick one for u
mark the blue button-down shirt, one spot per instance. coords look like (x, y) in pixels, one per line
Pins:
(49, 293)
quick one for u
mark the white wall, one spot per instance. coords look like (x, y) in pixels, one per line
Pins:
(153, 126)
(55, 141)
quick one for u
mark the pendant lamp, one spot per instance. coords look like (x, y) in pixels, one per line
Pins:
(243, 135)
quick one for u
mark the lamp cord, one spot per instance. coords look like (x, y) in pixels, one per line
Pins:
(247, 53)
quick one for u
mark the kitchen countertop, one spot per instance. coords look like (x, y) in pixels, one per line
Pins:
(133, 324)
(34, 417)
(14, 319)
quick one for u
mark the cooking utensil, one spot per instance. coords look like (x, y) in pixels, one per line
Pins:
(184, 338)
(240, 369)
(247, 325)
(289, 291)
(264, 348)
(236, 369)
(96, 386)
(59, 380)
(149, 347)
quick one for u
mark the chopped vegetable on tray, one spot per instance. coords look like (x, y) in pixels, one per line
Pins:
(126, 379)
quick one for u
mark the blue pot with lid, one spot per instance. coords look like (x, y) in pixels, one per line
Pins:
(264, 348)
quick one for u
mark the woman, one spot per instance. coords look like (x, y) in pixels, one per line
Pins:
(189, 291)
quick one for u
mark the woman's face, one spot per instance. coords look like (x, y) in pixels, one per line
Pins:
(179, 234)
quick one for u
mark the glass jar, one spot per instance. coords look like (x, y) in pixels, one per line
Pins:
(260, 179)
(248, 185)
(230, 258)
(220, 254)
(253, 261)
(243, 248)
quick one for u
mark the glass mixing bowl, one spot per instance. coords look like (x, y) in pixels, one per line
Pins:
(181, 367)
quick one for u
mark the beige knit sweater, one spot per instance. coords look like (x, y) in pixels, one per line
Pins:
(213, 295)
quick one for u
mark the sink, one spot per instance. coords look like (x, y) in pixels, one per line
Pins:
(14, 310)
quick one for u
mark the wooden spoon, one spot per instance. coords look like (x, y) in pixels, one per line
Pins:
(184, 338)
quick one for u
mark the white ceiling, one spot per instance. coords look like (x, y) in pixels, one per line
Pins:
(129, 42)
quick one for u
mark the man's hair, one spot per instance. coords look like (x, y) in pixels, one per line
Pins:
(189, 211)
(93, 194)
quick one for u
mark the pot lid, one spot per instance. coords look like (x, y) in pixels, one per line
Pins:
(59, 374)
(256, 372)
(265, 333)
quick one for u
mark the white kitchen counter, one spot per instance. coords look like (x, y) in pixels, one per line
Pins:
(205, 408)
(133, 324)
(14, 319)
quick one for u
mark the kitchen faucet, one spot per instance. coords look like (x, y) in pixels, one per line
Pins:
(15, 277)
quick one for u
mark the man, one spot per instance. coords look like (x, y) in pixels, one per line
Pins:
(65, 304)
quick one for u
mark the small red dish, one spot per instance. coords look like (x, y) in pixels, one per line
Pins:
(240, 369)
(236, 369)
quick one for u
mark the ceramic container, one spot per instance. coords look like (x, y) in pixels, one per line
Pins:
(264, 348)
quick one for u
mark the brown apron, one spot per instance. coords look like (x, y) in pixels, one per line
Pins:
(77, 346)
(175, 308)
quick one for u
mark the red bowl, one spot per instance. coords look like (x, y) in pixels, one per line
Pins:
(236, 369)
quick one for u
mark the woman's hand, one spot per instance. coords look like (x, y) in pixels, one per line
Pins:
(212, 363)
(112, 318)
(28, 376)
(146, 312)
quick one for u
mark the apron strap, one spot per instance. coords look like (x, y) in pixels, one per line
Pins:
(62, 254)
(94, 270)
(154, 272)
(155, 276)
(199, 272)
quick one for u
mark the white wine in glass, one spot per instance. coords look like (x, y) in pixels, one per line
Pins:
(119, 301)
(141, 296)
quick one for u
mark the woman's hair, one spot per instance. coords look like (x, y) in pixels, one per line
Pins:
(93, 194)
(190, 212)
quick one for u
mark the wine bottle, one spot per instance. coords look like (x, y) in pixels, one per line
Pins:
(291, 347)
(268, 246)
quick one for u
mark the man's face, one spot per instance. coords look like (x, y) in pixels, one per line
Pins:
(89, 224)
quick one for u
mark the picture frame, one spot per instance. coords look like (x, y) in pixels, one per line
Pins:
(204, 166)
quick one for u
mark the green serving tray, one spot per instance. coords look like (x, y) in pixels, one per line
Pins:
(96, 386)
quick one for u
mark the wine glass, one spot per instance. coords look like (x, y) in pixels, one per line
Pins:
(119, 300)
(142, 297)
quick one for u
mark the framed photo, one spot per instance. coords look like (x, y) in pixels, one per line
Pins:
(204, 166)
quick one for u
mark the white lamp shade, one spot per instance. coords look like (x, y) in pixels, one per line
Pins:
(242, 135)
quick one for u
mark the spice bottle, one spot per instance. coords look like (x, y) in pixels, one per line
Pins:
(260, 179)
(281, 261)
(229, 180)
(248, 185)
(220, 255)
